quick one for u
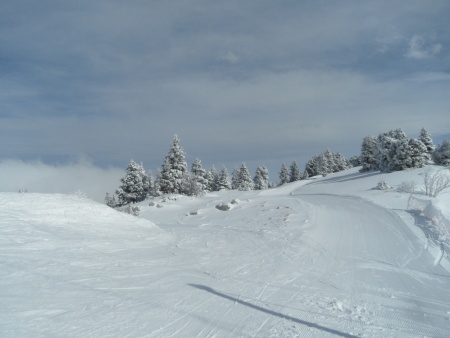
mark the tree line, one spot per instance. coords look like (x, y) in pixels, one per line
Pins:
(389, 151)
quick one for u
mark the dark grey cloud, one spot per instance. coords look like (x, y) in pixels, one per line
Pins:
(237, 81)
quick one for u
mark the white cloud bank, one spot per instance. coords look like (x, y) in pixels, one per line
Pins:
(70, 178)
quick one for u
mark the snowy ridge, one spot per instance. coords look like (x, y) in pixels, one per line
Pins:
(324, 257)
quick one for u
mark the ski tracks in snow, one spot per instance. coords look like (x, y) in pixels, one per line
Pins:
(272, 266)
(380, 266)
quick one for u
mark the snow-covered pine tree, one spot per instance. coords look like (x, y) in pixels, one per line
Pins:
(284, 175)
(311, 167)
(441, 155)
(224, 180)
(235, 179)
(245, 180)
(368, 155)
(426, 139)
(261, 180)
(149, 186)
(132, 188)
(401, 155)
(386, 147)
(156, 189)
(355, 161)
(200, 175)
(326, 162)
(165, 179)
(294, 172)
(191, 186)
(213, 179)
(419, 155)
(340, 162)
(110, 201)
(173, 170)
(398, 134)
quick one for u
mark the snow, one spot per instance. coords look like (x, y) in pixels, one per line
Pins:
(328, 256)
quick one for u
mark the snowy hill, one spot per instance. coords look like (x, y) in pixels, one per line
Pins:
(325, 257)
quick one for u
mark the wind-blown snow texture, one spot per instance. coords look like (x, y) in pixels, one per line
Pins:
(323, 257)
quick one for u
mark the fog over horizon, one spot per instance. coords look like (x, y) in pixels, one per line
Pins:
(72, 178)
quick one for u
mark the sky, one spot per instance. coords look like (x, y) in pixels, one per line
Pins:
(265, 82)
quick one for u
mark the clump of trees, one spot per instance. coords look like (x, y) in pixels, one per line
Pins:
(290, 175)
(394, 151)
(175, 178)
(326, 163)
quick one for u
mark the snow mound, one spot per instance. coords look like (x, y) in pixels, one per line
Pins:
(42, 221)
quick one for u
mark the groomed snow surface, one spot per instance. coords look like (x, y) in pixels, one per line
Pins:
(318, 258)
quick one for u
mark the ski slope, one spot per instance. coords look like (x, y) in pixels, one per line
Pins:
(328, 257)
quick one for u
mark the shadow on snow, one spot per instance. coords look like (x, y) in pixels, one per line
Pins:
(270, 312)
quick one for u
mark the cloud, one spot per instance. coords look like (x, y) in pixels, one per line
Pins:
(39, 177)
(421, 48)
(238, 81)
(229, 56)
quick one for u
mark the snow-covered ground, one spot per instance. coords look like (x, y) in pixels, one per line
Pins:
(325, 257)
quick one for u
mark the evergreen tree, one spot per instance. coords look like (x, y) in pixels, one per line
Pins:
(261, 180)
(132, 189)
(398, 134)
(173, 170)
(149, 187)
(294, 172)
(284, 174)
(200, 176)
(386, 147)
(389, 150)
(401, 155)
(442, 153)
(326, 163)
(340, 162)
(156, 189)
(213, 179)
(224, 181)
(311, 167)
(191, 186)
(245, 180)
(110, 201)
(368, 154)
(355, 161)
(235, 179)
(419, 155)
(426, 139)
